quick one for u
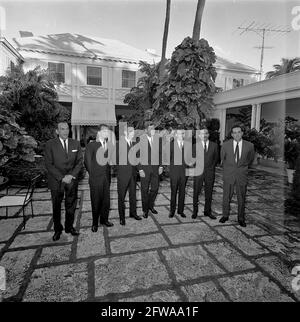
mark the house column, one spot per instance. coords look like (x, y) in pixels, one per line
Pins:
(253, 116)
(78, 132)
(222, 124)
(257, 117)
(73, 132)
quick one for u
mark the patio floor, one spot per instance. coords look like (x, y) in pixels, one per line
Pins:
(156, 259)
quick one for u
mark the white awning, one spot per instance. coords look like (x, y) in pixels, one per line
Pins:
(92, 113)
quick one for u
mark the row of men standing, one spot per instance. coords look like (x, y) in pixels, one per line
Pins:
(64, 166)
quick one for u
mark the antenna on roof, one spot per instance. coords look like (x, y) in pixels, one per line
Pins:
(262, 30)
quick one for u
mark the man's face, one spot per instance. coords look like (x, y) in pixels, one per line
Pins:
(151, 130)
(180, 135)
(129, 133)
(237, 134)
(204, 135)
(63, 130)
(104, 133)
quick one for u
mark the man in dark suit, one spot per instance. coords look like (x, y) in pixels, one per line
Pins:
(177, 172)
(126, 175)
(97, 160)
(236, 157)
(211, 158)
(63, 159)
(150, 167)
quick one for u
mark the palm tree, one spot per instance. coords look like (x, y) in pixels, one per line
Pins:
(286, 66)
(198, 19)
(164, 44)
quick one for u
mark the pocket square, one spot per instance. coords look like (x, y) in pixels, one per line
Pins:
(74, 150)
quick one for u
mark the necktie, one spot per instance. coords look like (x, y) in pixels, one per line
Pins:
(205, 147)
(237, 153)
(104, 145)
(65, 148)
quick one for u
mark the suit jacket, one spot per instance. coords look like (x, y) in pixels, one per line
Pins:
(97, 169)
(176, 157)
(233, 172)
(125, 169)
(211, 157)
(147, 162)
(58, 164)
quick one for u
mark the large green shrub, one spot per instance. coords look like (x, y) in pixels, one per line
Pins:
(186, 94)
(15, 144)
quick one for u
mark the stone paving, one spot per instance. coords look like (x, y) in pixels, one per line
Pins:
(159, 258)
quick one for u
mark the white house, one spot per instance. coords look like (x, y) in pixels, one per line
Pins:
(94, 74)
(9, 56)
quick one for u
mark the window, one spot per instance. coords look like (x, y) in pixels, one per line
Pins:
(94, 76)
(237, 83)
(12, 65)
(128, 79)
(57, 72)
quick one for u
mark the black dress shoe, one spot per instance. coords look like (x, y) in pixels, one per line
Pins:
(136, 217)
(72, 231)
(182, 215)
(194, 216)
(223, 219)
(145, 214)
(56, 235)
(154, 211)
(94, 228)
(171, 215)
(107, 223)
(242, 223)
(211, 216)
(122, 222)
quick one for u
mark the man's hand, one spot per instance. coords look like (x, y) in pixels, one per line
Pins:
(67, 179)
(160, 170)
(142, 173)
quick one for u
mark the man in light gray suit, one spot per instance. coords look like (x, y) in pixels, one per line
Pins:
(236, 157)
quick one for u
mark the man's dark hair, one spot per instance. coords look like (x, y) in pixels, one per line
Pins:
(180, 127)
(148, 123)
(237, 126)
(103, 125)
(61, 121)
(203, 127)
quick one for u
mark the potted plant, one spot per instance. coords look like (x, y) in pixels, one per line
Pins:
(291, 153)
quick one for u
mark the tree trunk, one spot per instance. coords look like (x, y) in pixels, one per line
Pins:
(165, 38)
(198, 18)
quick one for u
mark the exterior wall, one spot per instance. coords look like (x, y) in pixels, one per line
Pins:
(277, 90)
(75, 86)
(6, 56)
(225, 78)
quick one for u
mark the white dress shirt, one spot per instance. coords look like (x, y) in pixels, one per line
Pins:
(150, 139)
(67, 144)
(207, 144)
(240, 147)
(129, 142)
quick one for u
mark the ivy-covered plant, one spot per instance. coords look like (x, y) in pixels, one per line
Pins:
(186, 94)
(33, 98)
(15, 144)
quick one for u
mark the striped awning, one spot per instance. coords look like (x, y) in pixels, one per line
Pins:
(93, 113)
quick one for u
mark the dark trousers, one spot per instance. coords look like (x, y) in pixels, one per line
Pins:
(208, 178)
(149, 189)
(178, 183)
(228, 190)
(57, 195)
(100, 199)
(125, 184)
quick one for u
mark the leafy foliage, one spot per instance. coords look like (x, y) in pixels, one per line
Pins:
(186, 94)
(141, 97)
(286, 66)
(33, 96)
(15, 144)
